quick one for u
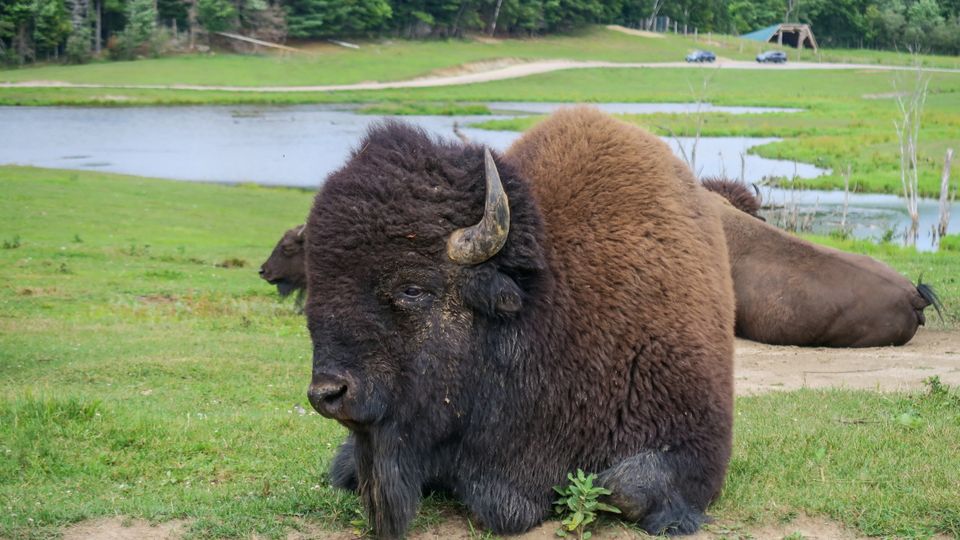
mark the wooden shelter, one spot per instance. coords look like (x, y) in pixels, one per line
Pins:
(792, 34)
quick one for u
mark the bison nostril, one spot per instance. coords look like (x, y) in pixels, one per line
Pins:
(330, 394)
(327, 396)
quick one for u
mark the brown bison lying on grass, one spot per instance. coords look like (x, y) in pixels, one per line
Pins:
(485, 326)
(793, 292)
(285, 268)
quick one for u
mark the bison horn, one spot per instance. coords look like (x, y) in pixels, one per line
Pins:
(477, 243)
(300, 232)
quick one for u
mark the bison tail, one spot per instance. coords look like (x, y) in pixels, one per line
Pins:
(927, 293)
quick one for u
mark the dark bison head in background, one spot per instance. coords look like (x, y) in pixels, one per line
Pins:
(484, 326)
(284, 268)
(736, 193)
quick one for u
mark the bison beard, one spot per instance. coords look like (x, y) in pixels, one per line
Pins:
(594, 330)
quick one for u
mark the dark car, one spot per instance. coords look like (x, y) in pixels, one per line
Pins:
(701, 56)
(777, 57)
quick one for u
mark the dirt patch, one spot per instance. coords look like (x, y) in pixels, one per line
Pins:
(120, 529)
(885, 95)
(457, 527)
(634, 32)
(476, 67)
(162, 299)
(485, 39)
(764, 368)
(114, 98)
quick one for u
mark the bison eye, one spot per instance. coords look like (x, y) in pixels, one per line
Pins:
(413, 292)
(411, 296)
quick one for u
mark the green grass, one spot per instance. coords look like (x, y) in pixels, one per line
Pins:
(380, 61)
(425, 108)
(838, 126)
(843, 121)
(950, 242)
(391, 60)
(146, 371)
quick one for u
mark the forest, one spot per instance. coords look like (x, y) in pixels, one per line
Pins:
(77, 31)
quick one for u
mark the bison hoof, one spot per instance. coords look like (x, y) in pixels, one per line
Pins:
(673, 519)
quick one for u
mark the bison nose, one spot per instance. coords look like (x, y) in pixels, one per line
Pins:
(262, 271)
(326, 394)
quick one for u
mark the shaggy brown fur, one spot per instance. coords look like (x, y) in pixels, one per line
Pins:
(599, 337)
(736, 193)
(792, 292)
(285, 266)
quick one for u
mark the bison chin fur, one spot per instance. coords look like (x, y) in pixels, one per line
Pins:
(598, 336)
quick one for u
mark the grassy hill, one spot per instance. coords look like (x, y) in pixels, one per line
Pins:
(392, 60)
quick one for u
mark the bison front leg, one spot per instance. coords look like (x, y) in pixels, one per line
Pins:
(343, 470)
(504, 509)
(651, 489)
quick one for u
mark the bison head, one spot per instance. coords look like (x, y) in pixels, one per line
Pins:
(425, 268)
(284, 268)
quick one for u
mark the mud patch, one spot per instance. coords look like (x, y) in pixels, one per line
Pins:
(120, 529)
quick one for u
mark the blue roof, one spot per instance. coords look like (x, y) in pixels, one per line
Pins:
(763, 34)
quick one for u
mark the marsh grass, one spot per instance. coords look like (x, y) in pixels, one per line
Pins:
(847, 116)
(425, 108)
(151, 383)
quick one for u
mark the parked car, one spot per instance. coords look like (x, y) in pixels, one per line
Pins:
(701, 56)
(777, 57)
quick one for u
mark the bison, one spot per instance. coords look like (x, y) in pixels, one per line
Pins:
(793, 292)
(484, 325)
(736, 193)
(285, 268)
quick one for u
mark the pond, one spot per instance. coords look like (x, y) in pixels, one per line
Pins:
(300, 145)
(869, 215)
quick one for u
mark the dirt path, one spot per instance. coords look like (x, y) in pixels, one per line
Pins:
(763, 368)
(456, 527)
(500, 73)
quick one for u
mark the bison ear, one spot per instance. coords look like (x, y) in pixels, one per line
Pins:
(492, 292)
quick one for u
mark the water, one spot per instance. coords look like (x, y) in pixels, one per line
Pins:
(869, 215)
(285, 146)
(300, 146)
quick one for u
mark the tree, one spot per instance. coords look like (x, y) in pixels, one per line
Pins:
(216, 15)
(329, 18)
(138, 35)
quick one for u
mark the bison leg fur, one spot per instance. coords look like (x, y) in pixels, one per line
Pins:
(645, 490)
(504, 510)
(343, 470)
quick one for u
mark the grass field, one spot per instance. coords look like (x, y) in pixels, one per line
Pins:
(146, 371)
(847, 116)
(391, 60)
